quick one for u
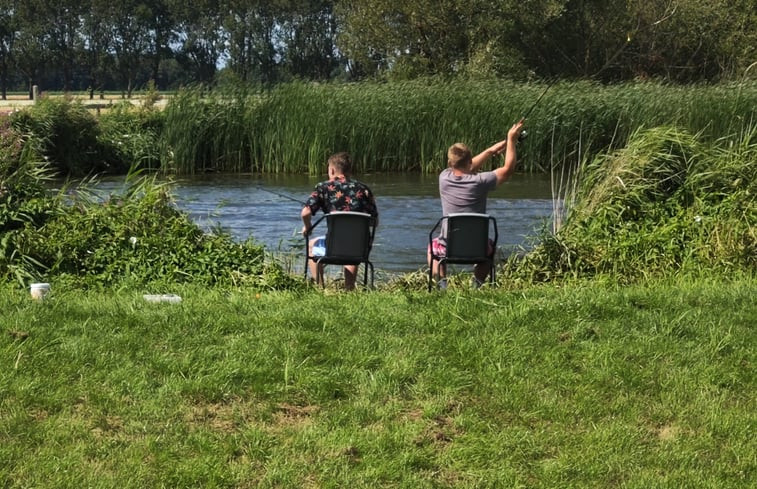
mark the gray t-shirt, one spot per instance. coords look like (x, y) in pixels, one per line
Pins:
(464, 193)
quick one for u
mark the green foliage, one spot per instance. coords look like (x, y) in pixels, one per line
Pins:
(23, 199)
(130, 136)
(76, 143)
(137, 237)
(407, 126)
(67, 135)
(667, 203)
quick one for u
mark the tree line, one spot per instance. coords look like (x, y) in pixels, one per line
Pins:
(99, 45)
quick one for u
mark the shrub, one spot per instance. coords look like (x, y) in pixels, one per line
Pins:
(137, 237)
(66, 134)
(664, 204)
(23, 198)
(130, 136)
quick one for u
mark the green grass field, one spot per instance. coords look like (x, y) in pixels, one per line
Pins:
(582, 385)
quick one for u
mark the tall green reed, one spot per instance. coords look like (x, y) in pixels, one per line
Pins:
(407, 126)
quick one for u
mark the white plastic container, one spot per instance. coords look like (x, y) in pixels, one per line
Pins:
(39, 290)
(170, 298)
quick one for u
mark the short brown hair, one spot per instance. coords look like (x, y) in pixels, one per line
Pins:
(459, 156)
(342, 162)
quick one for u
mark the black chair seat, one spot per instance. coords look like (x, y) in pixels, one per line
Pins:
(349, 239)
(466, 238)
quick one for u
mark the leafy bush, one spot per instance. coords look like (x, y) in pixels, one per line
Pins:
(66, 134)
(130, 136)
(137, 237)
(23, 199)
(133, 238)
(666, 203)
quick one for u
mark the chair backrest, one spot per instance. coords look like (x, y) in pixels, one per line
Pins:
(349, 237)
(467, 236)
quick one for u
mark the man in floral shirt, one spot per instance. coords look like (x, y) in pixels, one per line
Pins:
(338, 193)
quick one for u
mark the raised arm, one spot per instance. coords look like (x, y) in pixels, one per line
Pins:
(511, 155)
(483, 157)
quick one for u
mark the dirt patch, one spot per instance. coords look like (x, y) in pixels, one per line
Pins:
(668, 433)
(290, 415)
(216, 416)
(441, 430)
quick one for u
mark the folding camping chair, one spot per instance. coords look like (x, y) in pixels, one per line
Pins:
(349, 238)
(467, 240)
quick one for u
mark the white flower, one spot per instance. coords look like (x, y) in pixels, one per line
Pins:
(133, 240)
(697, 219)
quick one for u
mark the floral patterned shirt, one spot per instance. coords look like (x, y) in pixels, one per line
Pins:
(342, 194)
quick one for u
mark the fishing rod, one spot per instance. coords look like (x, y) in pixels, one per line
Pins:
(523, 134)
(285, 196)
(612, 58)
(543, 93)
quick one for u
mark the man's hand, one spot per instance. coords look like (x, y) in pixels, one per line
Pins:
(498, 148)
(514, 133)
(306, 216)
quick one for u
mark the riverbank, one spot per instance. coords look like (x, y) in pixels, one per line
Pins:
(587, 384)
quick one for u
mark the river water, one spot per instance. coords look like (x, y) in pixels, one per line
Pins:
(408, 205)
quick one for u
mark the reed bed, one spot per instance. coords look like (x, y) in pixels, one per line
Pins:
(408, 126)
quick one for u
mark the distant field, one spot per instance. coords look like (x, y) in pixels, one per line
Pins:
(21, 99)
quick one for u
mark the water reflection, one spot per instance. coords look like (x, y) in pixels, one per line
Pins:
(408, 206)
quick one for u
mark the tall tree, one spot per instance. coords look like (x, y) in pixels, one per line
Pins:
(8, 32)
(253, 38)
(161, 29)
(63, 18)
(578, 38)
(97, 38)
(200, 36)
(420, 37)
(690, 40)
(31, 48)
(129, 22)
(309, 34)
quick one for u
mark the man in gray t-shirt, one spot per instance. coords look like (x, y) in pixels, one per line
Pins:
(463, 189)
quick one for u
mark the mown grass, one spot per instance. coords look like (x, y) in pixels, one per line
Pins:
(584, 385)
(408, 126)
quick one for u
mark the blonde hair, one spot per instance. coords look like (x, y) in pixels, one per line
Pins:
(459, 156)
(342, 163)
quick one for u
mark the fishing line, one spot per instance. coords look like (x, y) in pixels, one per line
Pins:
(612, 58)
(285, 196)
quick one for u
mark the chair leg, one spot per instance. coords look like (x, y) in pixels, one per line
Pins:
(320, 274)
(430, 273)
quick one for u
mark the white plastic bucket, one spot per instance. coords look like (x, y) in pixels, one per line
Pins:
(170, 298)
(39, 291)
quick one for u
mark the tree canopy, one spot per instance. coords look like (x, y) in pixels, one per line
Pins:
(105, 45)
